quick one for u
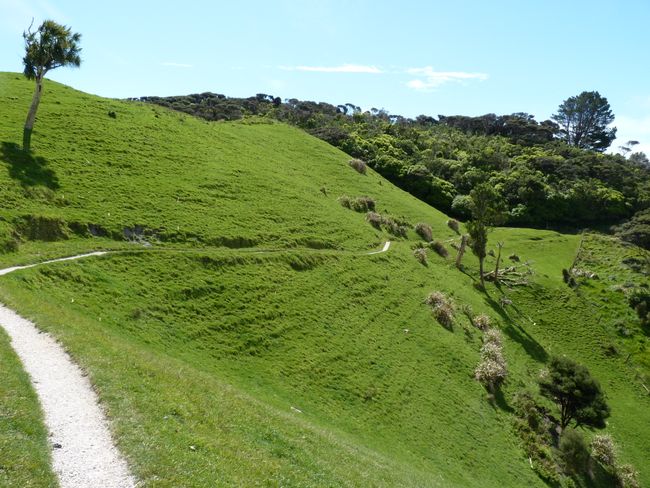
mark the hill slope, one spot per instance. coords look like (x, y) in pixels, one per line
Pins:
(309, 364)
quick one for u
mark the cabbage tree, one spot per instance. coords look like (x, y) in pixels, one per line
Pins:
(51, 46)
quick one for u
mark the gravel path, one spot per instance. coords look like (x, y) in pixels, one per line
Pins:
(83, 453)
(384, 249)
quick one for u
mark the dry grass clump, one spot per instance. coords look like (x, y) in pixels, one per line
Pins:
(396, 227)
(492, 370)
(358, 204)
(359, 165)
(443, 308)
(603, 450)
(454, 225)
(424, 231)
(374, 219)
(482, 322)
(420, 254)
(439, 248)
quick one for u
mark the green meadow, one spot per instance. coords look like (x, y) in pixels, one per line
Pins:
(239, 333)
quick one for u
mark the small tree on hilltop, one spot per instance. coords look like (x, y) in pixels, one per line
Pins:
(50, 47)
(488, 209)
(576, 393)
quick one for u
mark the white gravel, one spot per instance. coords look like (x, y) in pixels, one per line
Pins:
(384, 249)
(83, 453)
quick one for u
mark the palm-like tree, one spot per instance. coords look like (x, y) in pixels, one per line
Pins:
(51, 46)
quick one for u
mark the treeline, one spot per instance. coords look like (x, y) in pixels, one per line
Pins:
(544, 181)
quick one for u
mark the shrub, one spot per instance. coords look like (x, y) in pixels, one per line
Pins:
(439, 248)
(481, 322)
(358, 165)
(490, 373)
(424, 231)
(493, 336)
(454, 225)
(374, 219)
(421, 255)
(394, 227)
(443, 308)
(628, 477)
(358, 204)
(573, 450)
(492, 369)
(603, 450)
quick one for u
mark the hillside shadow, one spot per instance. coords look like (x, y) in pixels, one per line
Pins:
(517, 333)
(23, 166)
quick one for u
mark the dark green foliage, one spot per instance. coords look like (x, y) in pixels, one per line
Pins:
(543, 181)
(637, 229)
(583, 121)
(574, 451)
(576, 393)
(639, 300)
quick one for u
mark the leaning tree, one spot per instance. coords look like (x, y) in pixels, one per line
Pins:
(51, 46)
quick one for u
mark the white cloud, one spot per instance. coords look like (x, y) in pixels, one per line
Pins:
(344, 68)
(428, 78)
(176, 65)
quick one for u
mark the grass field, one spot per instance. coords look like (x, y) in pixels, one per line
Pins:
(240, 335)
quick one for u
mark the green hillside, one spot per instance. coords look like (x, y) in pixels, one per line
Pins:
(241, 334)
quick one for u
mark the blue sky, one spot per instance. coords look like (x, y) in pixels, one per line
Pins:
(435, 57)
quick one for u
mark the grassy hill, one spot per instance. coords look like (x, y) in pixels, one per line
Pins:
(241, 334)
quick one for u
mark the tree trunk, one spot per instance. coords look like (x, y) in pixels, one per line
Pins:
(480, 270)
(31, 115)
(496, 268)
(461, 250)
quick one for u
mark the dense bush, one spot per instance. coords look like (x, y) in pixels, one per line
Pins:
(637, 229)
(574, 452)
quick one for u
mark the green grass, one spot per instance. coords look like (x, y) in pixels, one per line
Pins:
(310, 364)
(24, 450)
